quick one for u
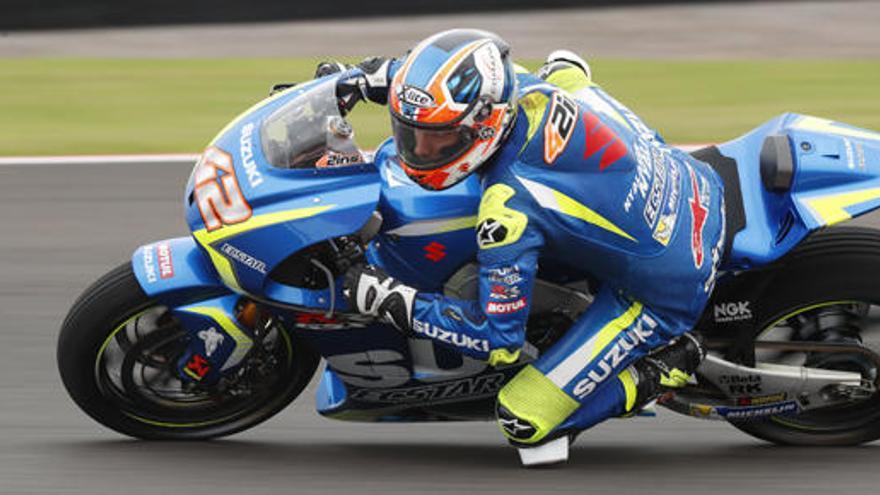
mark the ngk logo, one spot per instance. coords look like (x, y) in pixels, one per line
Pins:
(732, 311)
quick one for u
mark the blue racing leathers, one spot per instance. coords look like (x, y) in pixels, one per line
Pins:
(584, 186)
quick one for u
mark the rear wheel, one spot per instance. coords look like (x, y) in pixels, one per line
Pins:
(118, 352)
(825, 291)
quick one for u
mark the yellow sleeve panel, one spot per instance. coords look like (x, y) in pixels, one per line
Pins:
(498, 225)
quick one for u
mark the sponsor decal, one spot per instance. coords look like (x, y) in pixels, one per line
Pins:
(741, 384)
(637, 334)
(453, 338)
(485, 132)
(435, 251)
(415, 97)
(779, 408)
(701, 410)
(246, 151)
(559, 127)
(699, 205)
(717, 250)
(508, 275)
(503, 292)
(475, 386)
(850, 158)
(212, 339)
(860, 156)
(166, 265)
(245, 259)
(600, 137)
(732, 311)
(490, 232)
(654, 201)
(332, 159)
(502, 308)
(644, 172)
(217, 193)
(197, 367)
(149, 264)
(514, 427)
(761, 400)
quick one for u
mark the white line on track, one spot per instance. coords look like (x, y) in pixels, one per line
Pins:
(140, 159)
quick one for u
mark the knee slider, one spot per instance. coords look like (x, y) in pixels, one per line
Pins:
(531, 406)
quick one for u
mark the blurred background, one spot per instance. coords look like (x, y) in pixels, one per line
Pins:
(99, 77)
(102, 76)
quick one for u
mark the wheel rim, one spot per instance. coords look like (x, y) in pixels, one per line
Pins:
(863, 317)
(136, 370)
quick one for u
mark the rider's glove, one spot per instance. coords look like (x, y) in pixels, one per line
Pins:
(371, 84)
(373, 292)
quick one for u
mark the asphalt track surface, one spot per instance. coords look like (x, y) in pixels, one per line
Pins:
(779, 29)
(63, 226)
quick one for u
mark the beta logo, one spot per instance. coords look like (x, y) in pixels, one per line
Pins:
(732, 311)
(501, 308)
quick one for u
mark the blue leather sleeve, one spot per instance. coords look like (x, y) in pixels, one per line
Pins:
(495, 324)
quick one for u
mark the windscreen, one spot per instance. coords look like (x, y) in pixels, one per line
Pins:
(309, 132)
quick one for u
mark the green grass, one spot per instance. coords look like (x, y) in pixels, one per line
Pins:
(149, 106)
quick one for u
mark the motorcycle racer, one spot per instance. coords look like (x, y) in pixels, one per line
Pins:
(573, 182)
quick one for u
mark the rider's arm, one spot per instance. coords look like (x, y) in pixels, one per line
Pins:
(493, 327)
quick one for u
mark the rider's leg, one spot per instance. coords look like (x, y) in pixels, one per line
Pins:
(591, 363)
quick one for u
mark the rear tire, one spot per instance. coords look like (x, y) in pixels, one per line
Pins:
(90, 325)
(837, 264)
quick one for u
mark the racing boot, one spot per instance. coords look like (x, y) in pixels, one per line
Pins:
(669, 367)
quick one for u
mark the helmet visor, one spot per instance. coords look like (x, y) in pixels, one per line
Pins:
(428, 148)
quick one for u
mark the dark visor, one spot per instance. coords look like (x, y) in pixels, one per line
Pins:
(429, 148)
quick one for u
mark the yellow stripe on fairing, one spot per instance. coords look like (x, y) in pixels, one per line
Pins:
(830, 209)
(222, 263)
(205, 237)
(831, 127)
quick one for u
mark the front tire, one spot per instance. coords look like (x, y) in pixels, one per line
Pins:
(100, 320)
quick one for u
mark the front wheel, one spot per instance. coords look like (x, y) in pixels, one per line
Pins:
(827, 290)
(117, 354)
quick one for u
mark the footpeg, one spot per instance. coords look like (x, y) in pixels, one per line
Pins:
(552, 452)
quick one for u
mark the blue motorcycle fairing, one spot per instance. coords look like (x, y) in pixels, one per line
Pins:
(426, 235)
(287, 209)
(836, 177)
(175, 271)
(220, 343)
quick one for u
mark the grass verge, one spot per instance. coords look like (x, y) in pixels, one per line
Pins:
(80, 106)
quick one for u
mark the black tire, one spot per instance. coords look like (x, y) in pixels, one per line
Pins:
(835, 264)
(114, 299)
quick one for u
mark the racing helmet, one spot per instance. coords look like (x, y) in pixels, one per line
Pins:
(452, 102)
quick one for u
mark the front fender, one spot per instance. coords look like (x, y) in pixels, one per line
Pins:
(175, 271)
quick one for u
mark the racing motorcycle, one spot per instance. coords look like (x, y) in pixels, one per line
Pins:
(283, 201)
